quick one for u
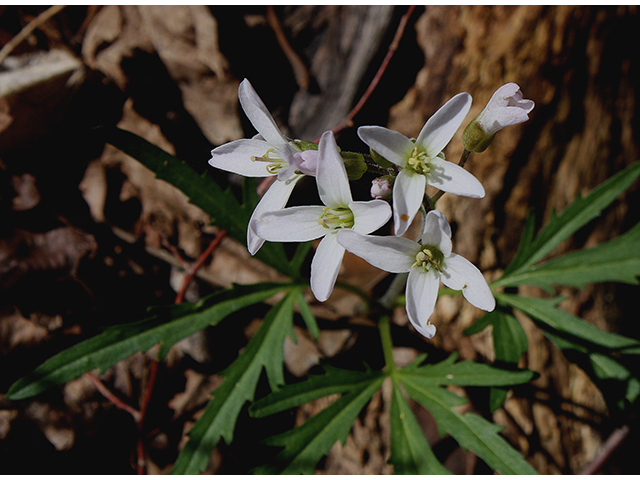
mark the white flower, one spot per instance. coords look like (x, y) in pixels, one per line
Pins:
(427, 262)
(268, 153)
(301, 224)
(506, 108)
(420, 161)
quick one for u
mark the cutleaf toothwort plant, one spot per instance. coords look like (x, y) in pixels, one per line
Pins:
(404, 168)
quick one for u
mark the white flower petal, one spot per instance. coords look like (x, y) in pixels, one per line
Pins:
(325, 266)
(508, 116)
(442, 126)
(295, 224)
(236, 157)
(273, 199)
(370, 216)
(452, 178)
(408, 192)
(331, 176)
(391, 145)
(421, 296)
(391, 254)
(259, 115)
(461, 274)
(443, 222)
(435, 235)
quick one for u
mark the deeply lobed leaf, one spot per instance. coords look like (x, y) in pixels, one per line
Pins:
(615, 261)
(576, 215)
(410, 451)
(335, 380)
(305, 445)
(471, 431)
(166, 326)
(265, 350)
(467, 373)
(547, 316)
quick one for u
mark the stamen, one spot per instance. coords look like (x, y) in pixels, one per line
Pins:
(335, 218)
(419, 162)
(428, 257)
(275, 163)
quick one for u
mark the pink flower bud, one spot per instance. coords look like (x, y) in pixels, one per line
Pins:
(306, 162)
(380, 187)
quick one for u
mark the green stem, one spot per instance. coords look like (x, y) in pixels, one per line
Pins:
(355, 290)
(384, 327)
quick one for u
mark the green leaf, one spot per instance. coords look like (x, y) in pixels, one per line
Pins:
(577, 214)
(525, 243)
(547, 316)
(471, 431)
(509, 343)
(509, 338)
(467, 373)
(301, 254)
(305, 445)
(335, 380)
(617, 384)
(203, 192)
(166, 326)
(307, 315)
(615, 261)
(410, 451)
(265, 350)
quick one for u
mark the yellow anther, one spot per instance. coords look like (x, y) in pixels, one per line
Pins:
(335, 218)
(429, 257)
(419, 162)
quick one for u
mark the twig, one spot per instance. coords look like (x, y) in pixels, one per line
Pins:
(613, 442)
(109, 395)
(28, 29)
(153, 369)
(300, 71)
(348, 120)
(196, 266)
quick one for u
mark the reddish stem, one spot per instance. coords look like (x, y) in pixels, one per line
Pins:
(196, 266)
(109, 395)
(610, 446)
(153, 370)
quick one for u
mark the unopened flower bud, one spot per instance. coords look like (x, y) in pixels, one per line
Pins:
(506, 108)
(306, 162)
(380, 187)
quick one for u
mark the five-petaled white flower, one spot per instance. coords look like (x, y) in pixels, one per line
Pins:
(427, 262)
(420, 161)
(301, 224)
(268, 153)
(506, 108)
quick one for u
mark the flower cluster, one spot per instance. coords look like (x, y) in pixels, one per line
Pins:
(344, 224)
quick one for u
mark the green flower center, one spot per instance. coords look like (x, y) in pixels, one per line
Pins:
(275, 163)
(419, 162)
(335, 218)
(429, 257)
